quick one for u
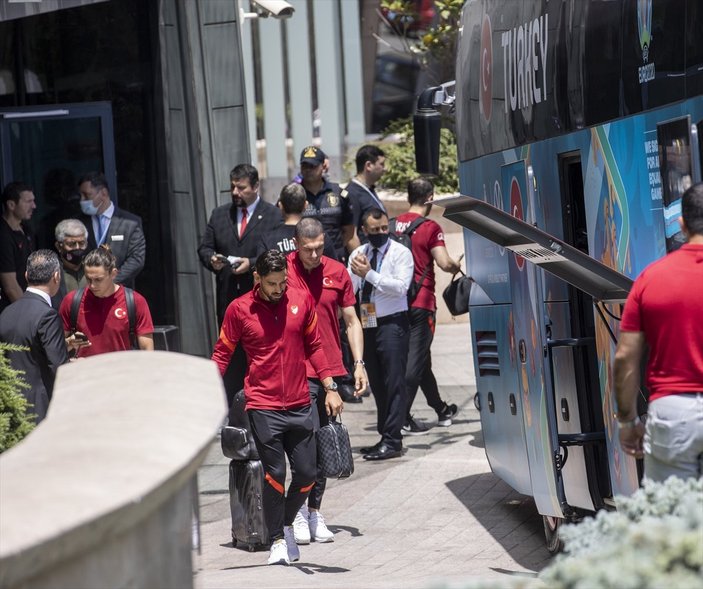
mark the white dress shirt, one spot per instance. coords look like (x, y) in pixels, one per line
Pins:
(100, 235)
(390, 281)
(41, 293)
(250, 212)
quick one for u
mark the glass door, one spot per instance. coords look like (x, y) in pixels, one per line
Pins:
(49, 148)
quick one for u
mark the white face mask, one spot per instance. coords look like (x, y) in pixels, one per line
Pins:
(88, 208)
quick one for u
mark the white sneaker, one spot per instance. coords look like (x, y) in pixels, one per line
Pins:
(301, 527)
(293, 551)
(318, 529)
(279, 553)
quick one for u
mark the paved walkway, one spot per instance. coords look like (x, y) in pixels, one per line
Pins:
(435, 515)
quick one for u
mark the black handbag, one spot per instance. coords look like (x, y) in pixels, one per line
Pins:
(457, 293)
(334, 455)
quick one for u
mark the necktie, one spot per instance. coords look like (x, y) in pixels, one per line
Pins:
(368, 287)
(243, 224)
(104, 222)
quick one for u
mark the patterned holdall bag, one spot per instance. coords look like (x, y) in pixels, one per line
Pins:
(334, 453)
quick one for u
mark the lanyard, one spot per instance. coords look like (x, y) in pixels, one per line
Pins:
(367, 189)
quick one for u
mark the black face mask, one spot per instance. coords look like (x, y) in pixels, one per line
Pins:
(377, 240)
(74, 256)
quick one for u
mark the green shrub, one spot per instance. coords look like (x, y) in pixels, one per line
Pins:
(397, 141)
(15, 424)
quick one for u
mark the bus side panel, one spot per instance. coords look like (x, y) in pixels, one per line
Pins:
(496, 380)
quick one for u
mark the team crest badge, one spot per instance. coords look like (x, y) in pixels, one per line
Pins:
(294, 309)
(332, 199)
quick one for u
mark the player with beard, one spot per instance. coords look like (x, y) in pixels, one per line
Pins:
(277, 327)
(229, 248)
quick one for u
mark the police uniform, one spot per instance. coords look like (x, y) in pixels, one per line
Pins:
(333, 210)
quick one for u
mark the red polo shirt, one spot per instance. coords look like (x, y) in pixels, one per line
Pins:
(277, 338)
(331, 288)
(427, 236)
(666, 304)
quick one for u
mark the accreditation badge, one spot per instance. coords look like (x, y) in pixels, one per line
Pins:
(368, 315)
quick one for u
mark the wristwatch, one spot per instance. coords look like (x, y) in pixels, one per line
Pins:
(630, 423)
(332, 387)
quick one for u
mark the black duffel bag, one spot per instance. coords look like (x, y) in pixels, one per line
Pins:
(457, 294)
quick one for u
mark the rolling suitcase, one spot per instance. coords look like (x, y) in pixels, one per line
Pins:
(246, 485)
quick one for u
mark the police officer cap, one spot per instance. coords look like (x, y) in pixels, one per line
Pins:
(312, 155)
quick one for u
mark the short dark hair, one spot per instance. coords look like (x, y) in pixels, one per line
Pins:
(271, 261)
(96, 179)
(692, 209)
(367, 153)
(293, 199)
(14, 190)
(41, 267)
(102, 256)
(308, 228)
(245, 171)
(374, 213)
(419, 191)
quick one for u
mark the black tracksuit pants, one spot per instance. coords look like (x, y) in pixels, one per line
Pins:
(278, 434)
(419, 372)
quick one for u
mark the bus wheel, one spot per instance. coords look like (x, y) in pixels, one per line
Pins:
(551, 533)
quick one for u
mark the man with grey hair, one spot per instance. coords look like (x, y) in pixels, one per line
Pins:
(72, 246)
(31, 322)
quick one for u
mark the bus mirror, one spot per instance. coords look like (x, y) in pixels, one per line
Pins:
(427, 123)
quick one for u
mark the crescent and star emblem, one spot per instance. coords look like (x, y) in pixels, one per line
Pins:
(120, 313)
(327, 281)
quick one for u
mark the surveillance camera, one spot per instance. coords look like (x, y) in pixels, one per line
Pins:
(275, 8)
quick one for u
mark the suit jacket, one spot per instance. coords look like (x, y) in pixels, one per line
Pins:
(30, 322)
(221, 237)
(125, 237)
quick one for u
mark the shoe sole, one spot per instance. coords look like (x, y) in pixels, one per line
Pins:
(444, 423)
(281, 561)
(302, 542)
(324, 540)
(406, 433)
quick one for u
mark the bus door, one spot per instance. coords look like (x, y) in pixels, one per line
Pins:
(528, 327)
(572, 363)
(545, 444)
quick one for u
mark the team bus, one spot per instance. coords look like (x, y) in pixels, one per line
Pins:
(577, 126)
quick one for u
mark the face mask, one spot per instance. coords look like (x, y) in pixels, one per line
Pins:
(88, 208)
(74, 256)
(377, 240)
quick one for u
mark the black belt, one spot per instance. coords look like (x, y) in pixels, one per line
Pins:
(391, 318)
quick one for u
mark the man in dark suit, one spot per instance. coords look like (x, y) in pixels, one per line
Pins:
(32, 322)
(106, 223)
(229, 247)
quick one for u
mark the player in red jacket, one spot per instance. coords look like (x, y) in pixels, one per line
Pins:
(277, 328)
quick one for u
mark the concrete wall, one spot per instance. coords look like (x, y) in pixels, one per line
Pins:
(101, 494)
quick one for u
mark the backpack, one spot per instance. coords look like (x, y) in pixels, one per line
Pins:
(404, 238)
(131, 312)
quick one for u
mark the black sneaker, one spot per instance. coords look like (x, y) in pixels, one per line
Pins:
(414, 428)
(444, 417)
